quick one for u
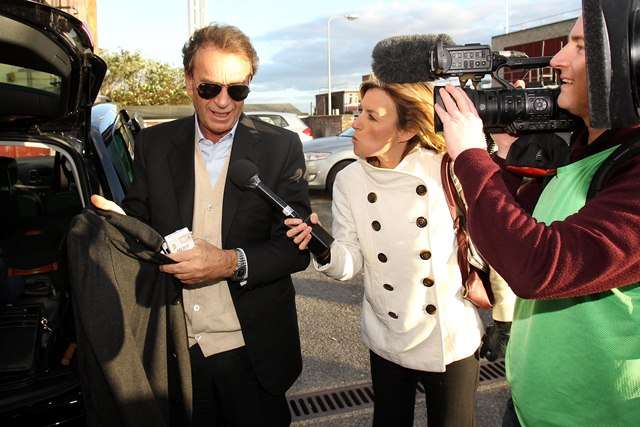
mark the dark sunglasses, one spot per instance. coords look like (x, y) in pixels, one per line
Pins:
(211, 90)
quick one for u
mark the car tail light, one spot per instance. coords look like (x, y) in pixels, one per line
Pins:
(307, 131)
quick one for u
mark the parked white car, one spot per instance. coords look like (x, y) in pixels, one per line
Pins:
(327, 156)
(284, 120)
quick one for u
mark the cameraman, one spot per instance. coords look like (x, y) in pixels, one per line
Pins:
(574, 354)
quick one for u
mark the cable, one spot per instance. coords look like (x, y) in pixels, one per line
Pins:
(545, 17)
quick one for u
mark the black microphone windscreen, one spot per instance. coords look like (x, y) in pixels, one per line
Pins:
(241, 171)
(405, 59)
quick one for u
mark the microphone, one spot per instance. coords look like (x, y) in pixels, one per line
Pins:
(406, 59)
(244, 174)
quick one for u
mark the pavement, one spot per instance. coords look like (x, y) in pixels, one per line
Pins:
(333, 354)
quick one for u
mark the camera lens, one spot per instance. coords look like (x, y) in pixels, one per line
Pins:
(517, 110)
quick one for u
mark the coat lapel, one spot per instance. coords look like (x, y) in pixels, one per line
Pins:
(181, 168)
(245, 143)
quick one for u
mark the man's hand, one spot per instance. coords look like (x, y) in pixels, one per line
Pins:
(105, 204)
(494, 343)
(504, 140)
(460, 120)
(203, 264)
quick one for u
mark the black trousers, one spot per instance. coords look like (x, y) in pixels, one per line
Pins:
(510, 418)
(226, 393)
(450, 395)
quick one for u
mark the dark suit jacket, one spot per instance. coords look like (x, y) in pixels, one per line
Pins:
(129, 324)
(162, 195)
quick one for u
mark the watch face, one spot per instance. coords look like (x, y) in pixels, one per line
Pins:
(241, 266)
(239, 274)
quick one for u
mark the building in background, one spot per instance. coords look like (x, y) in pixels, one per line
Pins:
(197, 11)
(543, 40)
(342, 102)
(84, 10)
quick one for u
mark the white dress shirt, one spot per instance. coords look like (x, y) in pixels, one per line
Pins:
(214, 154)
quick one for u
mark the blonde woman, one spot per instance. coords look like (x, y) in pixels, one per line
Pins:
(390, 216)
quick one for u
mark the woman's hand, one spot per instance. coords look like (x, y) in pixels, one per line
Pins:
(460, 120)
(299, 231)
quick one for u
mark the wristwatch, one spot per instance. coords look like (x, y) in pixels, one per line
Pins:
(241, 266)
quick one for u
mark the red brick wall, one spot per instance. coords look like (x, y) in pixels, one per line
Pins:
(533, 49)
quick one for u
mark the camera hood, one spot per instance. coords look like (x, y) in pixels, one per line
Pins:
(612, 41)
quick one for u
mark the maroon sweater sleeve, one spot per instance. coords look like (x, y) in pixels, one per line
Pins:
(591, 251)
(511, 180)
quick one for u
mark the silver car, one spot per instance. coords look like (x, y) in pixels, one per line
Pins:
(284, 120)
(327, 156)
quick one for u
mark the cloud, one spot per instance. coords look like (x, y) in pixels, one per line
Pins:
(294, 58)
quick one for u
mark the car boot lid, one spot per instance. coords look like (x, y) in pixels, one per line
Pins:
(49, 75)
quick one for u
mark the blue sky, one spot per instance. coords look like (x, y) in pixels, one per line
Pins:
(290, 36)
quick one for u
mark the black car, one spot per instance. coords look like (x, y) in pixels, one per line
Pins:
(56, 149)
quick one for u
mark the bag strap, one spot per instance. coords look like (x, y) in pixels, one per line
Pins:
(457, 214)
(619, 158)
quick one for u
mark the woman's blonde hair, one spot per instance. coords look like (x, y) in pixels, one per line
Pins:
(414, 105)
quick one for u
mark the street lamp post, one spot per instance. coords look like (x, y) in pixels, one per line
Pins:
(349, 18)
(506, 26)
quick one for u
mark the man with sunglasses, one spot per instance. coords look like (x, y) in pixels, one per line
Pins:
(238, 296)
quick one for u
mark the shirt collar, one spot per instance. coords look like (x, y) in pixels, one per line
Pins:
(201, 138)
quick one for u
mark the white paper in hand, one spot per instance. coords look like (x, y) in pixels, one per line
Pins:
(178, 241)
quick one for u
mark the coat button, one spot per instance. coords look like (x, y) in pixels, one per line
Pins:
(382, 257)
(376, 225)
(431, 309)
(425, 255)
(427, 282)
(421, 222)
(393, 315)
(387, 287)
(421, 190)
(371, 197)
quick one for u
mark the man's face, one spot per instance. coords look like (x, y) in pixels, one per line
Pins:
(572, 65)
(211, 65)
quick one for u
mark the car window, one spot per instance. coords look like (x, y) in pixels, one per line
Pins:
(274, 119)
(348, 133)
(120, 156)
(26, 77)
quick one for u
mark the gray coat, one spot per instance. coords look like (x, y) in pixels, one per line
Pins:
(132, 343)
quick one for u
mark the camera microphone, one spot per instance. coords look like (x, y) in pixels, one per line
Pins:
(244, 174)
(405, 59)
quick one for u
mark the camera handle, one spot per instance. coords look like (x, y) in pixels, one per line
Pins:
(519, 62)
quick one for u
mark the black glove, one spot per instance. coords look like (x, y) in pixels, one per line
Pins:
(494, 342)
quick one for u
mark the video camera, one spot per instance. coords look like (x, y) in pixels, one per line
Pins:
(612, 37)
(504, 109)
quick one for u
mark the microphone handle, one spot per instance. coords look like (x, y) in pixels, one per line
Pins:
(321, 240)
(287, 210)
(320, 243)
